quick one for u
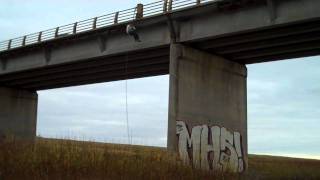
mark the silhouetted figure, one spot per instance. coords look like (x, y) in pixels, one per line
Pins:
(132, 31)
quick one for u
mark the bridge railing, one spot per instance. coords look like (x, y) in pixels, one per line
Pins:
(124, 16)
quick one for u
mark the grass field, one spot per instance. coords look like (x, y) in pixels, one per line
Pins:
(63, 159)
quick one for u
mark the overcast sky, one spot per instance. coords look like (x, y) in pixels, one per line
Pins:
(283, 97)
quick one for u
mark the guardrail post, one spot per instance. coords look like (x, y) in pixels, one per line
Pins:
(198, 2)
(56, 33)
(94, 25)
(139, 13)
(39, 36)
(24, 40)
(165, 5)
(170, 5)
(74, 31)
(9, 44)
(116, 16)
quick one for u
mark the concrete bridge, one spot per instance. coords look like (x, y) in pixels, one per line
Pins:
(203, 45)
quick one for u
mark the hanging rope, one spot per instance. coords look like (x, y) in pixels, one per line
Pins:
(126, 91)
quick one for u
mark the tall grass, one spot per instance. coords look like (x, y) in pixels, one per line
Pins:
(64, 159)
(272, 167)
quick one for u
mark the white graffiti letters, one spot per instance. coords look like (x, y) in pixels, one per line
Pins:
(222, 151)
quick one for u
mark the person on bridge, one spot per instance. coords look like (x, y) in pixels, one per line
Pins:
(132, 31)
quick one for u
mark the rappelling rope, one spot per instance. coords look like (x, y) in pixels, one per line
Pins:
(126, 91)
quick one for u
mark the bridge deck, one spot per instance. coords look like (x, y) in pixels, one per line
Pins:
(246, 33)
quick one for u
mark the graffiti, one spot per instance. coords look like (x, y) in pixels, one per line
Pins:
(210, 148)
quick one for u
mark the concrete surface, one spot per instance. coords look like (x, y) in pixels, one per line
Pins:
(207, 92)
(18, 113)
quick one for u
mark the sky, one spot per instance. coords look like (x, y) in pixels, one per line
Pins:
(283, 96)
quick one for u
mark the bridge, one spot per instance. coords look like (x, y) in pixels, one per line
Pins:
(203, 44)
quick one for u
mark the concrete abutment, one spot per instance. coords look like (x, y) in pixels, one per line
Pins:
(207, 110)
(18, 113)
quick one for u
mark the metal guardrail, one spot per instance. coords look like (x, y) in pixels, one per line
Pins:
(139, 12)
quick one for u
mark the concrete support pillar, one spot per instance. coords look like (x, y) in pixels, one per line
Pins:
(207, 110)
(18, 113)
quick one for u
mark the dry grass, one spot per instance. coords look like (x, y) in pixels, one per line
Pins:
(271, 167)
(62, 159)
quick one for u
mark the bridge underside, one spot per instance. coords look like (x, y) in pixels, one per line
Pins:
(126, 66)
(279, 43)
(246, 35)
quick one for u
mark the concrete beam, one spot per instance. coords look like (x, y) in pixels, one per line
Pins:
(248, 18)
(18, 113)
(88, 48)
(207, 110)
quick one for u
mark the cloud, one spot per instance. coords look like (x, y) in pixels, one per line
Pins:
(283, 101)
(99, 112)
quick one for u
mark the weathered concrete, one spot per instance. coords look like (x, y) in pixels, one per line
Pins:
(207, 110)
(249, 33)
(18, 113)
